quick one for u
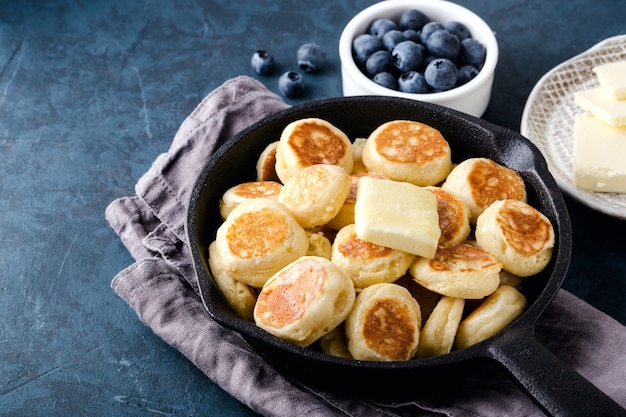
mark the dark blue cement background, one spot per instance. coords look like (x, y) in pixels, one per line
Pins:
(92, 92)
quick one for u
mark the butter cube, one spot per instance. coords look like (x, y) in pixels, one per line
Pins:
(603, 106)
(599, 150)
(612, 78)
(397, 215)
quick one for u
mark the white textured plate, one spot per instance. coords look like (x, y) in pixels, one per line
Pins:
(548, 119)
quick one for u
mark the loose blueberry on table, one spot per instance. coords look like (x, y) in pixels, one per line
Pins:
(262, 62)
(311, 57)
(291, 84)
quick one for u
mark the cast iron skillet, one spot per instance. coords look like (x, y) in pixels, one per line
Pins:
(556, 387)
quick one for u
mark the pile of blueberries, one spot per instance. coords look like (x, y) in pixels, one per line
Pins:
(310, 57)
(417, 54)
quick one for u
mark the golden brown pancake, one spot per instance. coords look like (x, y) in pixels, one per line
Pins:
(266, 164)
(365, 262)
(437, 335)
(258, 238)
(384, 324)
(454, 216)
(304, 301)
(238, 295)
(495, 313)
(459, 271)
(247, 190)
(404, 150)
(518, 235)
(481, 181)
(312, 141)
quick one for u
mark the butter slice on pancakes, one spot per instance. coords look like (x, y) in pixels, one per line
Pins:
(397, 215)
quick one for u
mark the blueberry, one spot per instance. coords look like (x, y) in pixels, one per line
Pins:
(291, 84)
(443, 44)
(392, 38)
(407, 56)
(386, 79)
(381, 26)
(427, 60)
(311, 57)
(472, 53)
(441, 74)
(466, 73)
(262, 62)
(364, 46)
(379, 61)
(459, 29)
(428, 29)
(412, 35)
(413, 82)
(413, 19)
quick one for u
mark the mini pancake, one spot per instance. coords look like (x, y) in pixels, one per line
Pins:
(304, 301)
(257, 239)
(266, 164)
(312, 141)
(345, 216)
(439, 331)
(481, 181)
(319, 245)
(495, 313)
(335, 343)
(384, 324)
(365, 262)
(315, 194)
(357, 152)
(408, 151)
(459, 270)
(247, 190)
(238, 295)
(454, 216)
(518, 235)
(507, 278)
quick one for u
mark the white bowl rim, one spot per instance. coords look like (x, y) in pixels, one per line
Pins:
(385, 8)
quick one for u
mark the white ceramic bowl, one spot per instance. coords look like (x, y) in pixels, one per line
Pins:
(471, 98)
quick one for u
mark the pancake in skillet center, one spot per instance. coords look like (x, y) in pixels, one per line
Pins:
(409, 151)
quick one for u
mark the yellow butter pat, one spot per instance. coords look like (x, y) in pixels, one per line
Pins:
(598, 159)
(603, 106)
(612, 78)
(397, 215)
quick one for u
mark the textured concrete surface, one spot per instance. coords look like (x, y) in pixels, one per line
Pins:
(92, 92)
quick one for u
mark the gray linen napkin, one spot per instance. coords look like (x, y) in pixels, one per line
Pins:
(161, 288)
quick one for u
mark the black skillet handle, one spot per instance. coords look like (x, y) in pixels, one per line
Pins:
(554, 385)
